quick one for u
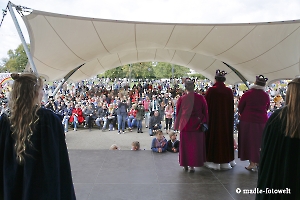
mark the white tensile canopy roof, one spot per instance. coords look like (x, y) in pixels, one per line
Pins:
(60, 43)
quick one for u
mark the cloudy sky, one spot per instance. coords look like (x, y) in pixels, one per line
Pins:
(177, 11)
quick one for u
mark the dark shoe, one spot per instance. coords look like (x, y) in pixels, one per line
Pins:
(185, 168)
(141, 131)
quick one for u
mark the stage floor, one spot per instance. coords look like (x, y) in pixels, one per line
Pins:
(141, 175)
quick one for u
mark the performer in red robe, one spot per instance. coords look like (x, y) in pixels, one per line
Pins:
(253, 107)
(191, 110)
(219, 137)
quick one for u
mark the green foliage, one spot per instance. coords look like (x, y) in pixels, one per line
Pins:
(164, 70)
(145, 70)
(243, 87)
(199, 76)
(16, 61)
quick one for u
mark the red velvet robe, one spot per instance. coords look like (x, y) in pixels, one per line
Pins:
(219, 137)
(191, 109)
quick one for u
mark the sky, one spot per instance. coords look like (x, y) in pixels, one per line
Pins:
(173, 11)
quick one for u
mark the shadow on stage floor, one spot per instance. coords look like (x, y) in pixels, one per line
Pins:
(143, 175)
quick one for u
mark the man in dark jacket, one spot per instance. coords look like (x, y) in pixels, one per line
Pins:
(140, 116)
(122, 115)
(102, 114)
(155, 122)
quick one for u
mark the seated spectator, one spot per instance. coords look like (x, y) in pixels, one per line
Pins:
(77, 117)
(173, 143)
(112, 117)
(154, 122)
(102, 117)
(135, 145)
(89, 116)
(131, 117)
(159, 144)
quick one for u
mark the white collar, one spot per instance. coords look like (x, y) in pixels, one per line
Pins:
(258, 87)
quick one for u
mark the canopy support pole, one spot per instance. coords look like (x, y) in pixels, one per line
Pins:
(66, 78)
(238, 74)
(13, 16)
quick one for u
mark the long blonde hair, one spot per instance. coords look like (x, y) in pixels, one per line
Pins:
(292, 117)
(23, 110)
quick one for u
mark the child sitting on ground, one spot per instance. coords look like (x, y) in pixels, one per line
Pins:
(173, 143)
(135, 145)
(159, 144)
(114, 147)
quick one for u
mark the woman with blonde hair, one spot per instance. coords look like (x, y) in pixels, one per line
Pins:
(280, 149)
(34, 161)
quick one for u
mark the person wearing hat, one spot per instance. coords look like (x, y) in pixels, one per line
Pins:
(191, 112)
(219, 137)
(253, 107)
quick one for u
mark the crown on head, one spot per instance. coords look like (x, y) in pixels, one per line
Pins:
(220, 73)
(261, 80)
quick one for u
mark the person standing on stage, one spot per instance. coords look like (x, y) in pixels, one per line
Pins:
(219, 137)
(191, 111)
(34, 160)
(280, 148)
(253, 107)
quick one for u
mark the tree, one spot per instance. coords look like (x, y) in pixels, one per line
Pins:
(145, 70)
(115, 73)
(16, 61)
(164, 70)
(138, 71)
(198, 76)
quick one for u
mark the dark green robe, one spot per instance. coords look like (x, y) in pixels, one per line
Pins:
(279, 161)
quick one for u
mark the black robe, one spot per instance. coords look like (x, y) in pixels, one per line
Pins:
(279, 161)
(46, 173)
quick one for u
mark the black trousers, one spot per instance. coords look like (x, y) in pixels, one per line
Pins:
(168, 123)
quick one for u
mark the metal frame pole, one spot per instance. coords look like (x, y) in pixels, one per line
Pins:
(238, 74)
(66, 78)
(13, 16)
(58, 87)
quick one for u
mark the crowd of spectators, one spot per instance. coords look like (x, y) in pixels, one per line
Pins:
(110, 104)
